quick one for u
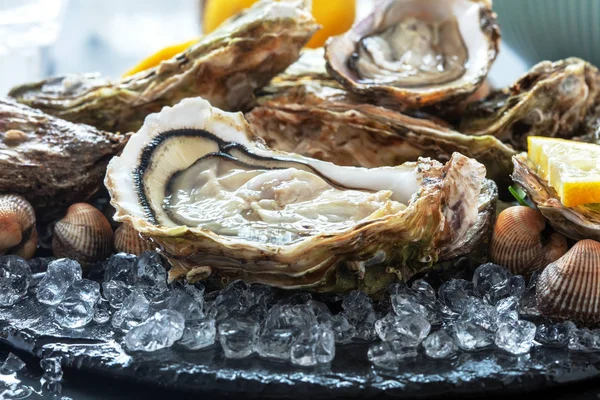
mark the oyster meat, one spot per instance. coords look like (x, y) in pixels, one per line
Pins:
(304, 111)
(580, 222)
(221, 205)
(553, 99)
(224, 67)
(416, 53)
(51, 162)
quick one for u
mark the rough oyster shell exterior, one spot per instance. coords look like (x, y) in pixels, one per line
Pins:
(225, 67)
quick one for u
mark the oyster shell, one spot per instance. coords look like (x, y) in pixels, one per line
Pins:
(580, 222)
(225, 67)
(222, 205)
(552, 99)
(306, 112)
(416, 53)
(51, 162)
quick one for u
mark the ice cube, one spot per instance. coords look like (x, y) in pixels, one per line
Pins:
(365, 329)
(507, 310)
(59, 277)
(260, 294)
(584, 340)
(150, 275)
(409, 330)
(470, 337)
(516, 337)
(198, 334)
(389, 354)
(257, 312)
(490, 279)
(238, 336)
(424, 289)
(325, 344)
(275, 343)
(52, 368)
(290, 316)
(135, 310)
(342, 329)
(115, 292)
(439, 345)
(407, 304)
(196, 291)
(456, 294)
(304, 347)
(528, 304)
(11, 365)
(181, 301)
(77, 307)
(320, 311)
(357, 306)
(102, 312)
(554, 335)
(158, 332)
(232, 300)
(119, 267)
(480, 314)
(15, 277)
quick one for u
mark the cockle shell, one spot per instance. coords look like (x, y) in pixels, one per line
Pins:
(517, 241)
(569, 288)
(18, 234)
(84, 234)
(128, 240)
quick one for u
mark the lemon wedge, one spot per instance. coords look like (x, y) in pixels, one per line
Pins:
(571, 168)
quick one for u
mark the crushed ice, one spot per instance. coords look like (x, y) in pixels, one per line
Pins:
(492, 311)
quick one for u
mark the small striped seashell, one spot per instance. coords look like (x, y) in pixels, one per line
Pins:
(84, 234)
(569, 288)
(18, 234)
(518, 243)
(128, 240)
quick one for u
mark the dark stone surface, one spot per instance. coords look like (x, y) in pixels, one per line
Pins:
(97, 349)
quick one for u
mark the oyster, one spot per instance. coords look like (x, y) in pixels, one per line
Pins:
(51, 162)
(225, 67)
(222, 205)
(416, 53)
(580, 222)
(552, 99)
(304, 111)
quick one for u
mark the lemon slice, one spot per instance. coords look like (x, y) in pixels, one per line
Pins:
(571, 168)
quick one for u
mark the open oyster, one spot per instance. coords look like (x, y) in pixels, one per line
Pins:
(51, 162)
(225, 67)
(552, 99)
(304, 111)
(580, 222)
(222, 205)
(417, 53)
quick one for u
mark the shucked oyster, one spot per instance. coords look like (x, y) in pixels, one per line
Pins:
(580, 222)
(417, 52)
(224, 67)
(305, 112)
(51, 162)
(552, 99)
(224, 206)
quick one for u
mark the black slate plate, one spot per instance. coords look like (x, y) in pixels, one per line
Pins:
(96, 349)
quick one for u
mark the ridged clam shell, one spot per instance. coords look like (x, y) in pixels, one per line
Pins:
(18, 234)
(84, 234)
(128, 240)
(569, 288)
(517, 241)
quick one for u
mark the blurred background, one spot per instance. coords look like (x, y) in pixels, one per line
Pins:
(40, 38)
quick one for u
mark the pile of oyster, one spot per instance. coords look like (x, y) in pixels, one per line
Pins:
(371, 161)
